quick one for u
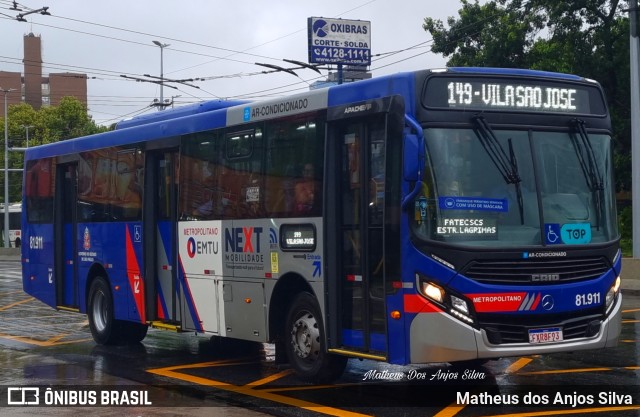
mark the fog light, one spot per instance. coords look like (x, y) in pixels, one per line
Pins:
(433, 291)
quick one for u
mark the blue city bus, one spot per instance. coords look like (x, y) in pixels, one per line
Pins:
(450, 215)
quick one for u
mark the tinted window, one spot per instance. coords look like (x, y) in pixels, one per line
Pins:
(39, 189)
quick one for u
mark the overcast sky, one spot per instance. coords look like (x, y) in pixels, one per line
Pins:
(217, 40)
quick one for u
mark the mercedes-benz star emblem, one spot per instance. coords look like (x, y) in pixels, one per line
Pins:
(547, 302)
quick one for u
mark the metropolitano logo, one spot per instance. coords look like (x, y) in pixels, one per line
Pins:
(23, 396)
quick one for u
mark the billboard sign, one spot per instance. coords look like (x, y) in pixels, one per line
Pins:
(339, 41)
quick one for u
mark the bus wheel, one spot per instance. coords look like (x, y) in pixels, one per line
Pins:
(133, 333)
(305, 342)
(104, 329)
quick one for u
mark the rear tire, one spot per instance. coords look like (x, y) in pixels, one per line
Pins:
(305, 342)
(133, 332)
(104, 328)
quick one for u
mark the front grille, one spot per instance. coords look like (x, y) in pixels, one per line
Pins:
(510, 328)
(536, 271)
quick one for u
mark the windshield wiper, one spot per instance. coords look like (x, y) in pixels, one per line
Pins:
(588, 163)
(496, 152)
(507, 166)
(586, 156)
(514, 163)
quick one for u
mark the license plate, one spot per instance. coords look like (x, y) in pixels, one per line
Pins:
(552, 334)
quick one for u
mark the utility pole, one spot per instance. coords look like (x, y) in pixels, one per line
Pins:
(6, 167)
(162, 46)
(27, 129)
(634, 42)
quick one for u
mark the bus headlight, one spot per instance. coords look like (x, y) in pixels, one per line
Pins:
(455, 305)
(612, 294)
(432, 291)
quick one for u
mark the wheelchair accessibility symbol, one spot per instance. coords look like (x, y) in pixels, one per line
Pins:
(552, 233)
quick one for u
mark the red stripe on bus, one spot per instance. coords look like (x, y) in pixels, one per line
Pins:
(414, 303)
(135, 278)
(160, 311)
(535, 303)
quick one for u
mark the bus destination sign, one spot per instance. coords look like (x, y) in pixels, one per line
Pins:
(339, 41)
(300, 237)
(506, 94)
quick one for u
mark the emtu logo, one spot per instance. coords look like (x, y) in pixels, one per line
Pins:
(208, 247)
(191, 247)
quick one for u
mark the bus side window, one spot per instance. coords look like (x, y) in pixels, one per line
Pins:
(40, 178)
(244, 158)
(291, 145)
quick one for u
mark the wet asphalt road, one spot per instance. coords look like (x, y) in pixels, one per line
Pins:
(188, 375)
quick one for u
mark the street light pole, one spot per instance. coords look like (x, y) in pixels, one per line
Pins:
(6, 167)
(162, 46)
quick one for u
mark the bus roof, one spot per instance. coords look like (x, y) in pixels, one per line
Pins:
(191, 109)
(216, 113)
(514, 71)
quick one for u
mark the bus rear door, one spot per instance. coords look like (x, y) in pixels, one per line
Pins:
(65, 232)
(160, 219)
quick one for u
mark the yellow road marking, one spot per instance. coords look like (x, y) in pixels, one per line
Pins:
(44, 343)
(310, 387)
(247, 390)
(450, 411)
(12, 292)
(635, 310)
(54, 339)
(8, 306)
(571, 411)
(200, 365)
(517, 365)
(630, 321)
(270, 378)
(565, 371)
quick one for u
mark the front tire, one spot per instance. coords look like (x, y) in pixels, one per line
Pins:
(305, 342)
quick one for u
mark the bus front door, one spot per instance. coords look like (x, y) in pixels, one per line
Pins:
(160, 219)
(358, 292)
(65, 231)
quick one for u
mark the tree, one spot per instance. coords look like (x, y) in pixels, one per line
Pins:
(49, 124)
(584, 37)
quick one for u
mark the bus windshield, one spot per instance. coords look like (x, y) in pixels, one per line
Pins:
(504, 188)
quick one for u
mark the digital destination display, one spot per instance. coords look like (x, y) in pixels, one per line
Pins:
(492, 93)
(298, 237)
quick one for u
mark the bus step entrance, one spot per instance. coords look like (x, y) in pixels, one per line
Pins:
(165, 326)
(357, 354)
